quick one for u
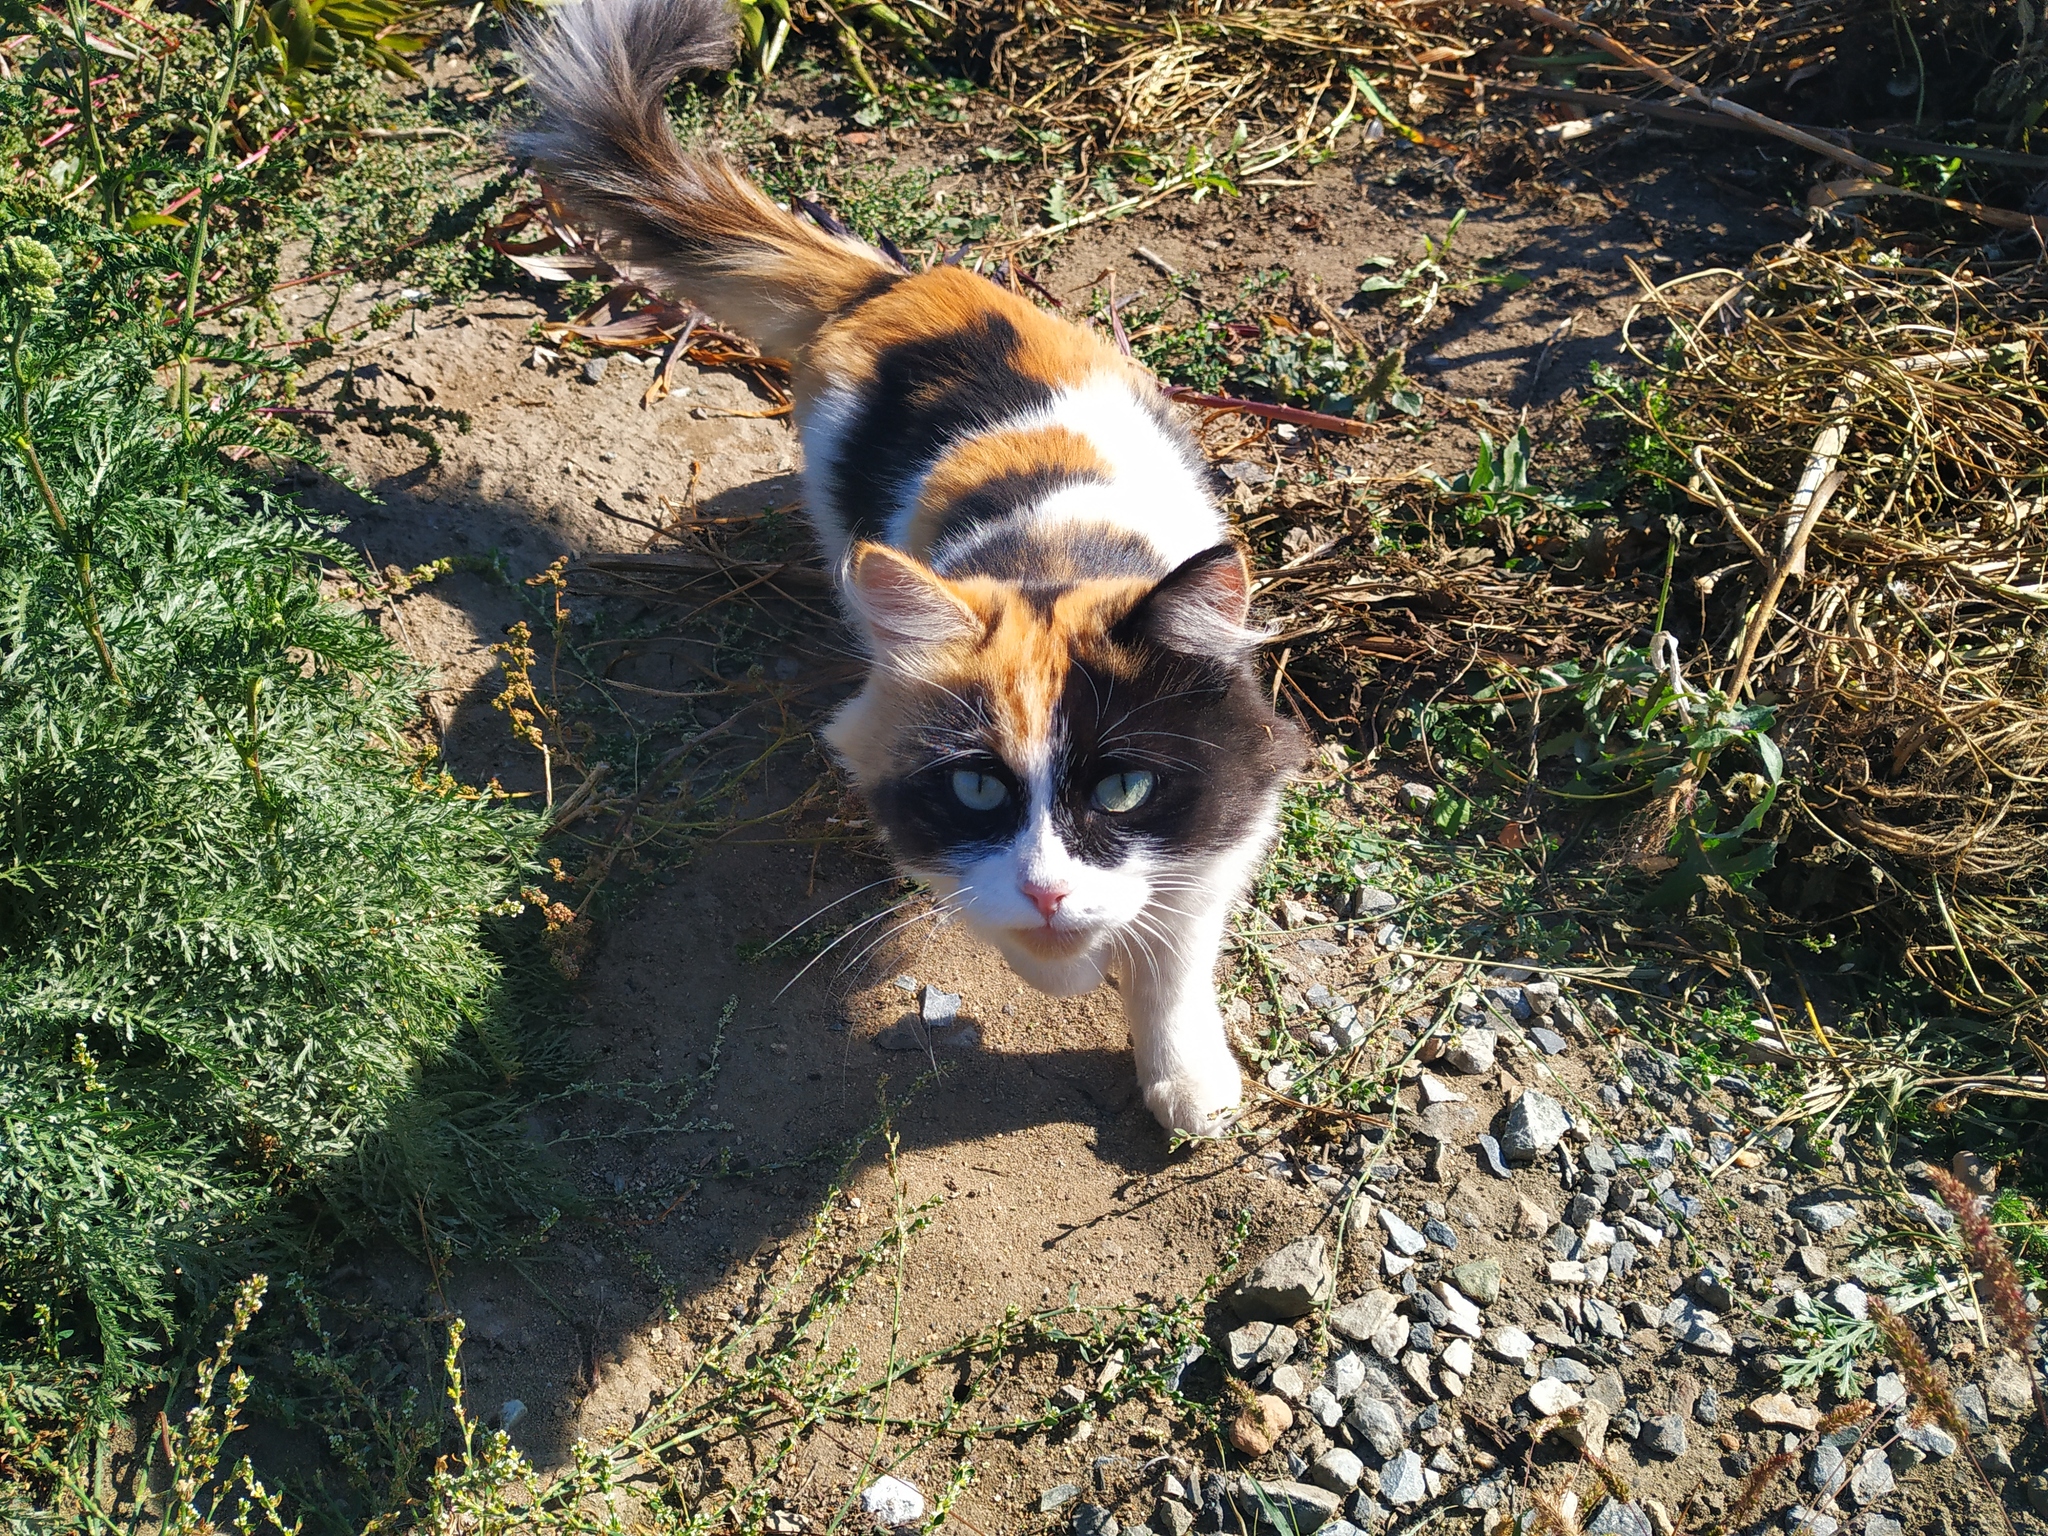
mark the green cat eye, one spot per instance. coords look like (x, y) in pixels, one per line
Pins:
(979, 791)
(1122, 792)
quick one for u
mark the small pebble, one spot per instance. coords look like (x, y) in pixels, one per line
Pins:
(1663, 1436)
(1707, 1407)
(1490, 1149)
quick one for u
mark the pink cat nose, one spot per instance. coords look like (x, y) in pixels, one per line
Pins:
(1046, 898)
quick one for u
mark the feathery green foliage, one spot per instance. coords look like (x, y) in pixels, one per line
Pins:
(242, 916)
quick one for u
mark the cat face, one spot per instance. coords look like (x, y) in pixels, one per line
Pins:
(1064, 765)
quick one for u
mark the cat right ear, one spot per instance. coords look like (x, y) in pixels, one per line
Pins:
(1199, 609)
(903, 605)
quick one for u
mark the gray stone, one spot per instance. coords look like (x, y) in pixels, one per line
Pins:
(1479, 1279)
(1094, 1520)
(1993, 1453)
(1627, 1423)
(1801, 1521)
(1600, 1316)
(1301, 1507)
(1889, 1391)
(1582, 1208)
(1598, 1159)
(1172, 1519)
(1511, 1002)
(1534, 1125)
(1621, 1258)
(1714, 1289)
(1615, 1517)
(1287, 1384)
(1346, 1374)
(1401, 1481)
(1359, 1320)
(1548, 1041)
(1490, 1149)
(1323, 1407)
(1608, 1390)
(1825, 1216)
(1684, 1207)
(1875, 1524)
(1664, 1436)
(1929, 1439)
(1337, 1470)
(1511, 1345)
(1416, 797)
(1872, 1479)
(1707, 1406)
(937, 1007)
(1258, 1344)
(1472, 1052)
(1970, 1400)
(593, 370)
(1440, 1233)
(2008, 1392)
(1057, 1496)
(1567, 1370)
(1403, 1238)
(1285, 1285)
(1932, 1211)
(1826, 1474)
(1484, 1495)
(1379, 1426)
(1696, 1328)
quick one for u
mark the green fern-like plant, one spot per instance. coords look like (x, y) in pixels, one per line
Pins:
(244, 924)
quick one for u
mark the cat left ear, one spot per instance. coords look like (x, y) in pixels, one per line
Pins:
(1200, 608)
(904, 605)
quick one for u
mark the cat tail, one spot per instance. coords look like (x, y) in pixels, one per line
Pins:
(604, 144)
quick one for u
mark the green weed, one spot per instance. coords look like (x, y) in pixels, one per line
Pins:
(1498, 485)
(1262, 345)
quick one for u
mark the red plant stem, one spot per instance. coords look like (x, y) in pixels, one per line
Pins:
(68, 128)
(241, 165)
(1291, 413)
(294, 282)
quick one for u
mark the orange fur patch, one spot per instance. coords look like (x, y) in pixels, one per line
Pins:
(938, 303)
(1022, 662)
(979, 461)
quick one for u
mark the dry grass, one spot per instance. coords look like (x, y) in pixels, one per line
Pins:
(1889, 415)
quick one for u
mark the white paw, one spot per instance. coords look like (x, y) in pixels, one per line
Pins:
(1202, 1103)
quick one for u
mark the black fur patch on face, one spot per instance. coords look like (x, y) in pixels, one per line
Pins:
(1201, 727)
(925, 394)
(920, 815)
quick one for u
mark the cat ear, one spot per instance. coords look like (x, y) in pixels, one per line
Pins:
(1200, 608)
(903, 605)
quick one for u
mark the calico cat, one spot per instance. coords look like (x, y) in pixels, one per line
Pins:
(1062, 729)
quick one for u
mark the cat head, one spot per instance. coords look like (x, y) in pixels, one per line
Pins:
(1057, 761)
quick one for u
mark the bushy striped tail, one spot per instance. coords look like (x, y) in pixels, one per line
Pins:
(603, 141)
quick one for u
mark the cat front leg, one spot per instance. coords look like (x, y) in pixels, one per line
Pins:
(1185, 1069)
